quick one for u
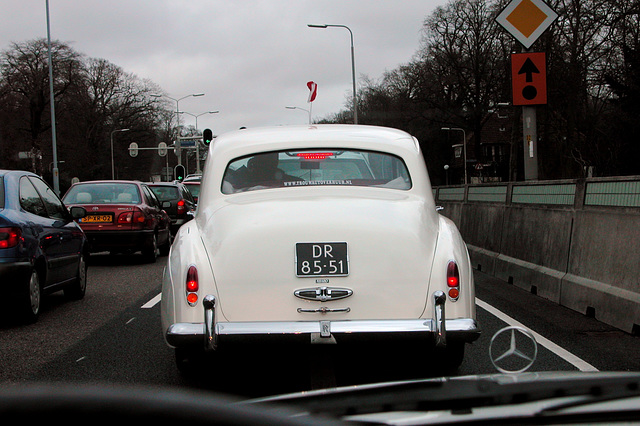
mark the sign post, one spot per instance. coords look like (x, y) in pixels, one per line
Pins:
(529, 81)
(313, 91)
(526, 20)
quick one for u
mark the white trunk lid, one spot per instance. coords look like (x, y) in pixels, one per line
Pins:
(390, 242)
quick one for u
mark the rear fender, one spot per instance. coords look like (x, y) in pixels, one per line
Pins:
(451, 246)
(187, 250)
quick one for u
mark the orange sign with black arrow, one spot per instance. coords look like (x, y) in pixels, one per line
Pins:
(529, 78)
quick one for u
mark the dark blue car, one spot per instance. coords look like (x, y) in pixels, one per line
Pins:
(42, 249)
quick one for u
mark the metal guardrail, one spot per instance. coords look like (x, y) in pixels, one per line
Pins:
(607, 192)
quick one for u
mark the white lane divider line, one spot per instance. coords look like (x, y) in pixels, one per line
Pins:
(579, 363)
(153, 302)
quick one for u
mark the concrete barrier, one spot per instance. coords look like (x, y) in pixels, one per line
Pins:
(575, 242)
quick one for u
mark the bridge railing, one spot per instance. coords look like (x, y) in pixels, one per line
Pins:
(576, 242)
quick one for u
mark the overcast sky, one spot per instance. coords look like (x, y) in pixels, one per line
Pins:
(251, 58)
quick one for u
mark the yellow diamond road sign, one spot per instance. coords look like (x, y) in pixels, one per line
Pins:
(526, 20)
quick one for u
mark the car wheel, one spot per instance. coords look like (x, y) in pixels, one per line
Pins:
(150, 252)
(452, 356)
(188, 360)
(29, 307)
(78, 288)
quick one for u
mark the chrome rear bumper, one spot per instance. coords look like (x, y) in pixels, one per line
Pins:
(210, 332)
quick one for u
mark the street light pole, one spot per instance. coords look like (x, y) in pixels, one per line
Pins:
(113, 169)
(198, 115)
(56, 177)
(308, 111)
(353, 66)
(464, 147)
(178, 148)
(197, 142)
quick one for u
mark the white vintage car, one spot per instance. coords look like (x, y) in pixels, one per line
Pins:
(317, 234)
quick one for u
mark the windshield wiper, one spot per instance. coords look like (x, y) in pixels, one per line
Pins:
(591, 401)
(463, 394)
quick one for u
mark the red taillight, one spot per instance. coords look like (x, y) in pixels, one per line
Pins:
(192, 298)
(192, 285)
(181, 207)
(132, 217)
(9, 237)
(125, 218)
(315, 155)
(453, 280)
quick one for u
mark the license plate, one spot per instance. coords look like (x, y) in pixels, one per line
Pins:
(321, 259)
(97, 218)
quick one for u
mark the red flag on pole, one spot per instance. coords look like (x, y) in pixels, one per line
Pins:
(313, 90)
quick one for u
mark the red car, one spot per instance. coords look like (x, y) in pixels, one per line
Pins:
(122, 216)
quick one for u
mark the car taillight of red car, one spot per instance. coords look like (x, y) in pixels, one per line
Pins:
(135, 218)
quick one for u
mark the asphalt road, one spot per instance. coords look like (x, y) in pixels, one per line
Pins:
(113, 336)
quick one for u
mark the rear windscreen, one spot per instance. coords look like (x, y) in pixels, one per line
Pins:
(103, 193)
(165, 193)
(318, 167)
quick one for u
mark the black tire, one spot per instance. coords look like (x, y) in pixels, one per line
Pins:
(30, 299)
(188, 360)
(150, 253)
(451, 357)
(77, 289)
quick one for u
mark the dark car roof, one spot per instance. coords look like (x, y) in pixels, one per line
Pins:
(12, 176)
(17, 172)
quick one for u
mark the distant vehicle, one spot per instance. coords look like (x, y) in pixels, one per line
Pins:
(192, 183)
(122, 216)
(42, 249)
(176, 200)
(193, 177)
(322, 234)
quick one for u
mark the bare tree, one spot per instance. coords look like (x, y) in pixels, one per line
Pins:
(25, 78)
(93, 97)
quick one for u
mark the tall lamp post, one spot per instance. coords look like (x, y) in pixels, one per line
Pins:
(197, 143)
(464, 147)
(113, 169)
(353, 66)
(179, 151)
(198, 115)
(308, 111)
(56, 177)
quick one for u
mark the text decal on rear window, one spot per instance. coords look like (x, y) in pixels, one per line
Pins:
(318, 182)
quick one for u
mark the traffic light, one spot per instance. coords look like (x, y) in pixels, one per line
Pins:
(179, 172)
(207, 136)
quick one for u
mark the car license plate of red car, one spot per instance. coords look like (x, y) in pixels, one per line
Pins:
(321, 259)
(97, 218)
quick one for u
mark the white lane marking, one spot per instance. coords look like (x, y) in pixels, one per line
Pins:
(579, 363)
(153, 302)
